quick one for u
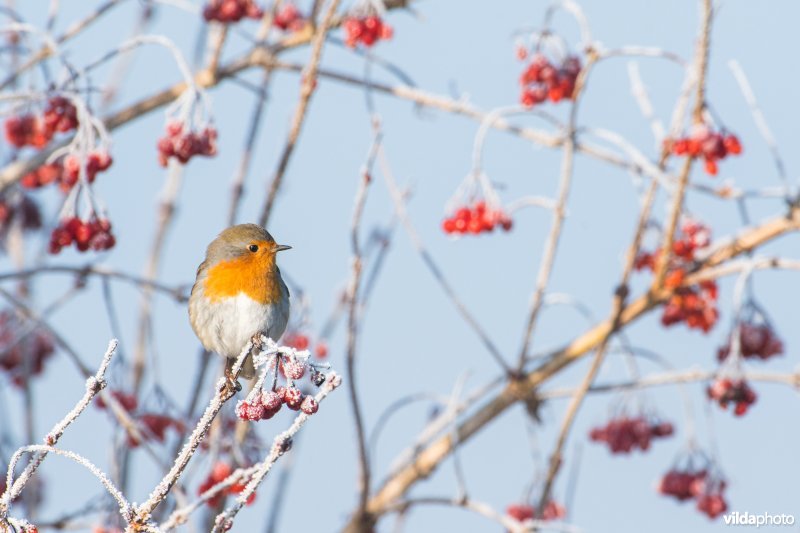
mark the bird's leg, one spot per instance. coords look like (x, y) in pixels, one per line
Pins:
(232, 384)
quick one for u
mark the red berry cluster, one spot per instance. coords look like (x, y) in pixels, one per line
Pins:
(44, 175)
(24, 208)
(756, 340)
(542, 80)
(365, 30)
(97, 161)
(94, 233)
(300, 341)
(625, 434)
(522, 511)
(183, 145)
(22, 356)
(226, 11)
(154, 426)
(126, 400)
(698, 484)
(696, 306)
(60, 116)
(219, 473)
(682, 484)
(268, 403)
(263, 405)
(476, 219)
(26, 130)
(736, 391)
(289, 18)
(711, 502)
(704, 142)
(691, 237)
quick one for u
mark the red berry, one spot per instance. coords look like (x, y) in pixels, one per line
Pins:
(732, 144)
(271, 400)
(292, 397)
(520, 512)
(309, 405)
(292, 368)
(321, 350)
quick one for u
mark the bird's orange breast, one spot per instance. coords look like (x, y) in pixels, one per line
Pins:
(257, 277)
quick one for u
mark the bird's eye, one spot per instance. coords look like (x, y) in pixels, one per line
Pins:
(253, 248)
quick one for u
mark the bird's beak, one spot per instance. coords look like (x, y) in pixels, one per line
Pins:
(281, 247)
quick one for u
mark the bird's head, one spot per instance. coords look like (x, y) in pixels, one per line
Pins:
(245, 243)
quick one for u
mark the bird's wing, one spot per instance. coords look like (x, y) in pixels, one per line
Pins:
(201, 270)
(284, 288)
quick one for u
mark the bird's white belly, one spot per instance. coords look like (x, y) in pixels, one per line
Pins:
(236, 319)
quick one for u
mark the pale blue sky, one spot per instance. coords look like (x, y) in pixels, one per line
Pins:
(413, 341)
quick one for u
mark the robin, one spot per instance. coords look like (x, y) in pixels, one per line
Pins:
(239, 294)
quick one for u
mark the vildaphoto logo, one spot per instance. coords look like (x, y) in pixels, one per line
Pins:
(764, 519)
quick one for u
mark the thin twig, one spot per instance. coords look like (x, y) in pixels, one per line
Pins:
(559, 212)
(309, 84)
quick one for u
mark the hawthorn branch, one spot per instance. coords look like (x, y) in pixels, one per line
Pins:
(429, 458)
(621, 294)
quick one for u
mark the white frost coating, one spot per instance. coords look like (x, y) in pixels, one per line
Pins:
(124, 507)
(265, 362)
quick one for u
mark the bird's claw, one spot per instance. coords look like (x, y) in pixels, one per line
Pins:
(256, 340)
(232, 385)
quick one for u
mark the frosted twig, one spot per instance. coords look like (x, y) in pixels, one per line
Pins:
(575, 10)
(642, 51)
(125, 508)
(48, 50)
(761, 121)
(94, 384)
(223, 394)
(639, 92)
(280, 445)
(700, 67)
(559, 213)
(530, 201)
(402, 214)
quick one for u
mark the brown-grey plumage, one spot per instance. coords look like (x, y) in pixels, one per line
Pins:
(239, 292)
